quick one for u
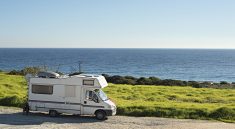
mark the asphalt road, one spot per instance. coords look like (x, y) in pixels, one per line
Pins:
(11, 118)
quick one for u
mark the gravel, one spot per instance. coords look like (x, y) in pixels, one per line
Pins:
(11, 118)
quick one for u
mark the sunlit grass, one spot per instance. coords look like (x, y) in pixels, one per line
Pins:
(142, 100)
(165, 96)
(171, 101)
(13, 90)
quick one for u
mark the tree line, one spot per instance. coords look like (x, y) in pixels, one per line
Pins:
(116, 79)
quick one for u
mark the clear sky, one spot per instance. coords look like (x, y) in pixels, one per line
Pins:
(117, 23)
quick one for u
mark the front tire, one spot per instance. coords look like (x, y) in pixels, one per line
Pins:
(100, 115)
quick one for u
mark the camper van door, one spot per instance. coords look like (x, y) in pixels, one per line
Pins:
(91, 101)
(72, 100)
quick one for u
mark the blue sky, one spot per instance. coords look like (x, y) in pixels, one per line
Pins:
(117, 23)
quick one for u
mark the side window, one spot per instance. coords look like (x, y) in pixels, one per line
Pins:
(42, 89)
(91, 96)
(88, 82)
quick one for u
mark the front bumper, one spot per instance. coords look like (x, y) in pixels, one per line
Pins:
(111, 112)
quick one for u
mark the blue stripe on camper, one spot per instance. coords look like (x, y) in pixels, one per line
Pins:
(58, 108)
(40, 101)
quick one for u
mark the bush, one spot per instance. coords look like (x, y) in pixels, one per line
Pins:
(194, 84)
(31, 70)
(198, 113)
(144, 81)
(155, 80)
(224, 83)
(223, 113)
(26, 70)
(131, 78)
(163, 112)
(12, 101)
(170, 82)
(116, 79)
(106, 76)
(120, 80)
(16, 72)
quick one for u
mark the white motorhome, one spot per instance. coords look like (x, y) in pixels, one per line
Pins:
(78, 94)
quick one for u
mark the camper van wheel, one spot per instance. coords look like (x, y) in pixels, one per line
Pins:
(53, 113)
(26, 109)
(100, 115)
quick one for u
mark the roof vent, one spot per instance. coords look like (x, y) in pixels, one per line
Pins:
(48, 74)
(87, 75)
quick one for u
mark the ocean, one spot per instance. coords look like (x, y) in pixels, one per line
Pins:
(183, 64)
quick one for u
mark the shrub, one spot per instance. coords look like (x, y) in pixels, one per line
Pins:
(144, 81)
(26, 70)
(198, 113)
(71, 74)
(163, 112)
(31, 70)
(170, 82)
(223, 113)
(131, 78)
(194, 84)
(116, 79)
(16, 72)
(120, 80)
(12, 101)
(224, 83)
(155, 80)
(106, 76)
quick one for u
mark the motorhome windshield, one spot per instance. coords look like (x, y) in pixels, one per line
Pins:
(102, 95)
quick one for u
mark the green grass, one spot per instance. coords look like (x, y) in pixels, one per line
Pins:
(13, 90)
(173, 101)
(142, 100)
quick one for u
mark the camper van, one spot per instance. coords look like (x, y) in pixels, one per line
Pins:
(77, 94)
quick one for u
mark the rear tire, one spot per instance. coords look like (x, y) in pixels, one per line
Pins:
(53, 113)
(100, 115)
(26, 109)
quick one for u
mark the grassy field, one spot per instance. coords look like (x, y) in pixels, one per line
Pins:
(174, 101)
(142, 100)
(13, 90)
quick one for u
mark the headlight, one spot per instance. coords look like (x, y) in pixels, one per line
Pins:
(113, 107)
(109, 106)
